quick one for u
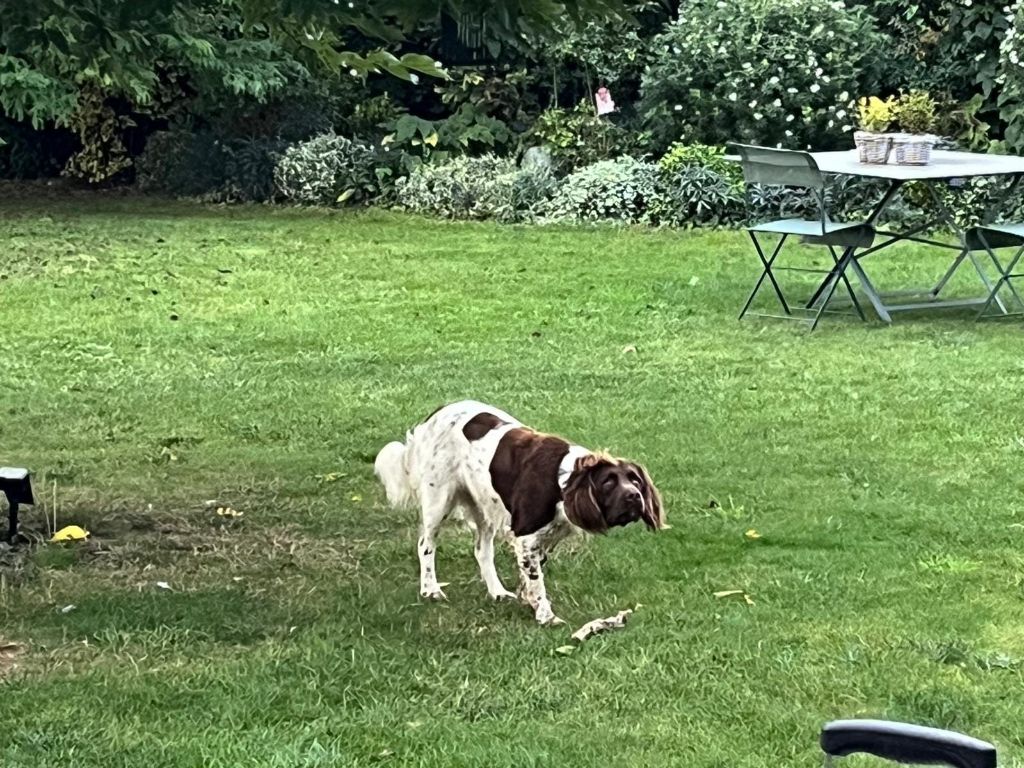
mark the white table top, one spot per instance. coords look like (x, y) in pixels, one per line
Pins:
(943, 165)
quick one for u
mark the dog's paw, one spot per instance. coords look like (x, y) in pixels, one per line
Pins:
(435, 593)
(551, 621)
(503, 595)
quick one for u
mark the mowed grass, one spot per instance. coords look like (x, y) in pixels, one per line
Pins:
(157, 356)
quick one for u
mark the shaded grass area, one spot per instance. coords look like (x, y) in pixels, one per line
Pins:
(160, 356)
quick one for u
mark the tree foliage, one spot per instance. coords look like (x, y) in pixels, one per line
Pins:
(50, 49)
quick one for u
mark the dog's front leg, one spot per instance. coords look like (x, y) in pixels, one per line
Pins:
(530, 556)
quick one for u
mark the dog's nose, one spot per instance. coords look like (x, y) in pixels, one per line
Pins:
(633, 494)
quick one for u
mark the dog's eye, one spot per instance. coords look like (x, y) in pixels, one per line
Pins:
(609, 481)
(636, 479)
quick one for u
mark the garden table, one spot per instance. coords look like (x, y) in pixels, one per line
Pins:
(944, 166)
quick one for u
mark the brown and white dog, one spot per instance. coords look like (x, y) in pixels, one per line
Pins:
(507, 478)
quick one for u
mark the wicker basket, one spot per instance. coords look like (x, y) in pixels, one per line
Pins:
(913, 149)
(872, 147)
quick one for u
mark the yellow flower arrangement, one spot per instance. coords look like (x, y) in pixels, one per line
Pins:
(875, 114)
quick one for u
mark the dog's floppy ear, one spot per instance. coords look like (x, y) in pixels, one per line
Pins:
(580, 498)
(653, 514)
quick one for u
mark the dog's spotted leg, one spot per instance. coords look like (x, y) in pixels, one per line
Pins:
(530, 557)
(429, 586)
(484, 551)
(435, 509)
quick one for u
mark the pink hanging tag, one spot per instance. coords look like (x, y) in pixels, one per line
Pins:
(604, 101)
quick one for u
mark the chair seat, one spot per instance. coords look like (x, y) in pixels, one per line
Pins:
(995, 236)
(850, 235)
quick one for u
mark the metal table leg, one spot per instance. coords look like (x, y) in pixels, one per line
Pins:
(848, 260)
(870, 291)
(946, 217)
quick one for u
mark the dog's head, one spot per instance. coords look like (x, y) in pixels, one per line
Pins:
(604, 492)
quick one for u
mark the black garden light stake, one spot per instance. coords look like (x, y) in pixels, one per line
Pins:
(16, 484)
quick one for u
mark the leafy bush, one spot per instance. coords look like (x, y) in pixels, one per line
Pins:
(371, 117)
(681, 155)
(188, 164)
(326, 170)
(623, 189)
(583, 54)
(182, 163)
(476, 188)
(696, 195)
(100, 129)
(967, 200)
(532, 189)
(468, 131)
(157, 167)
(947, 47)
(249, 170)
(701, 186)
(579, 137)
(764, 71)
(28, 153)
(502, 96)
(771, 202)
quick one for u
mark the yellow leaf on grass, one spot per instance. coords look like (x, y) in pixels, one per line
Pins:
(431, 140)
(70, 533)
(752, 534)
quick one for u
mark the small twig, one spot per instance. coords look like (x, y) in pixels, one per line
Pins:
(602, 625)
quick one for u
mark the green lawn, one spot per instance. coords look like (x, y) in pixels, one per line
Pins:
(158, 355)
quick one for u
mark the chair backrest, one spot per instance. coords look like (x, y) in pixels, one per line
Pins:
(779, 167)
(771, 167)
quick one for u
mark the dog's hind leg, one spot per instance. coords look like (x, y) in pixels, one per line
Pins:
(436, 505)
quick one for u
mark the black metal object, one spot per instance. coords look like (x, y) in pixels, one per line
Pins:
(16, 484)
(906, 743)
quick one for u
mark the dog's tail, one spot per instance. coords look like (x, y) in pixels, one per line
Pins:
(391, 471)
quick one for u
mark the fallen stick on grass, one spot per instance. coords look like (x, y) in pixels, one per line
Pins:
(618, 621)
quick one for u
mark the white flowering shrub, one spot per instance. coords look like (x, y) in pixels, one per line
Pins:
(763, 71)
(1011, 77)
(485, 187)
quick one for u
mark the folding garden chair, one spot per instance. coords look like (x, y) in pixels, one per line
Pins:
(989, 238)
(788, 168)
